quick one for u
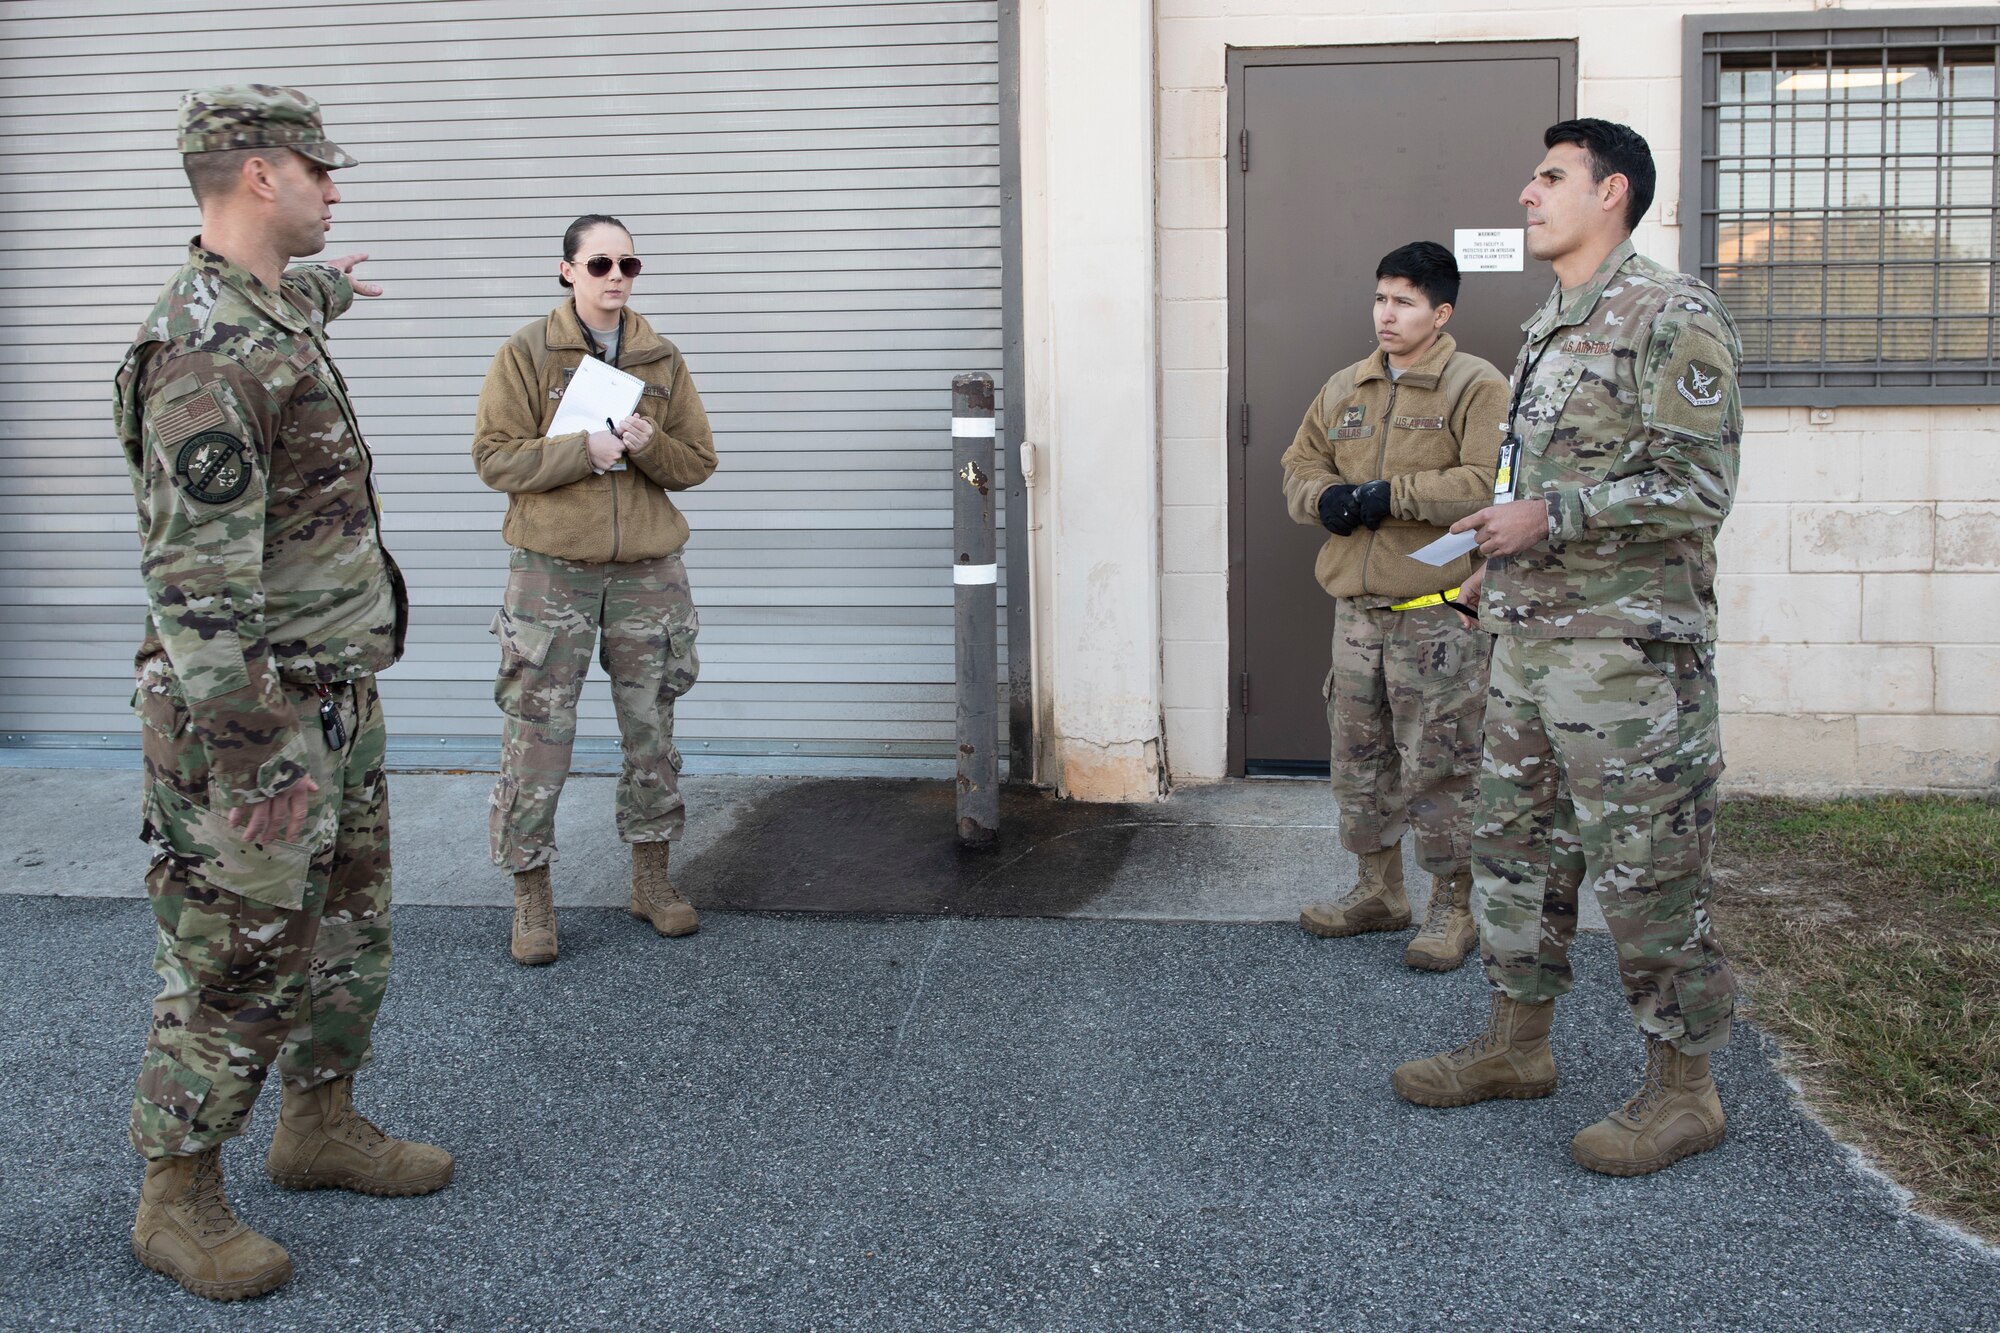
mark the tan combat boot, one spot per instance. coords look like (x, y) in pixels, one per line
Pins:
(187, 1230)
(1448, 934)
(1674, 1114)
(534, 918)
(1376, 902)
(322, 1142)
(654, 897)
(1510, 1059)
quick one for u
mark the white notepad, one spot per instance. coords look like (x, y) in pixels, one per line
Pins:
(597, 393)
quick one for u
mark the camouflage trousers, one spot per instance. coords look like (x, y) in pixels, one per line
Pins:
(547, 627)
(1602, 758)
(1403, 704)
(277, 952)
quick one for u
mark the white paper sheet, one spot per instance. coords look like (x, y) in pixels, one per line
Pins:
(1446, 548)
(597, 393)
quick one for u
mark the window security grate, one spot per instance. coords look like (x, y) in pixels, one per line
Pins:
(1847, 190)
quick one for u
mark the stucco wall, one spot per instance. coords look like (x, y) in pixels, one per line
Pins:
(1861, 587)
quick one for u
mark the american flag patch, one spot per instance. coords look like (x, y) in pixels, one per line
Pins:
(186, 417)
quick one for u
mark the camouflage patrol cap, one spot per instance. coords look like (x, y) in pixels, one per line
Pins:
(257, 115)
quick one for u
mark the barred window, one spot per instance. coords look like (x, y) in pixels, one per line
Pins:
(1846, 192)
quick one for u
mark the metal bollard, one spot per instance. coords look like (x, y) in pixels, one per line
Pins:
(974, 576)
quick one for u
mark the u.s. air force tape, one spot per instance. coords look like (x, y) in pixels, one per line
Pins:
(213, 467)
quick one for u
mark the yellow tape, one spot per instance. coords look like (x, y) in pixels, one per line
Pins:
(1428, 599)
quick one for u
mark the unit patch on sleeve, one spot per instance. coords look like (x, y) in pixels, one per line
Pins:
(213, 468)
(1691, 386)
(1700, 384)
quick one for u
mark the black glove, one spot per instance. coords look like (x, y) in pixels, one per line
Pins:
(1336, 510)
(1371, 503)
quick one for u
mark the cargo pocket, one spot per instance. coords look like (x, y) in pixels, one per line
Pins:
(273, 874)
(499, 817)
(683, 661)
(169, 1096)
(520, 690)
(521, 638)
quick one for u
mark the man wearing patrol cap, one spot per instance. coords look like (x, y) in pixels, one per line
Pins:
(271, 604)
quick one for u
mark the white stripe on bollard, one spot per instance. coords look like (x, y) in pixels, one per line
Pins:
(972, 428)
(975, 573)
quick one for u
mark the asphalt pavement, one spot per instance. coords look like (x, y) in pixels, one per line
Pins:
(804, 1120)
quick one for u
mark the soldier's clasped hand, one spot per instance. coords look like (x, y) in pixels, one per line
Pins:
(1371, 504)
(605, 449)
(1336, 510)
(636, 432)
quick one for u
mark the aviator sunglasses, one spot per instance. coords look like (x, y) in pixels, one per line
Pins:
(599, 265)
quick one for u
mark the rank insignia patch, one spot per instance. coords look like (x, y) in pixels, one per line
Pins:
(1700, 384)
(213, 467)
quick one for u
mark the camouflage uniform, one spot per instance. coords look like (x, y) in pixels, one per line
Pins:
(547, 627)
(1403, 705)
(271, 600)
(1603, 671)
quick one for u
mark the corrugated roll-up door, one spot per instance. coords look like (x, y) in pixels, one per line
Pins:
(815, 190)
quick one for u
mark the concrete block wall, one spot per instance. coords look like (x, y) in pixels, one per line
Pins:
(1862, 551)
(1861, 650)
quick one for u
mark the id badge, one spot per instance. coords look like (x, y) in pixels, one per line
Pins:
(1503, 476)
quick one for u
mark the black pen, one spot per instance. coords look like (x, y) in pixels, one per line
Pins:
(612, 426)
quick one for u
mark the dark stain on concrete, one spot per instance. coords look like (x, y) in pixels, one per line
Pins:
(890, 846)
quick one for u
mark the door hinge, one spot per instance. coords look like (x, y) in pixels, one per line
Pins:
(1243, 426)
(1243, 149)
(1243, 691)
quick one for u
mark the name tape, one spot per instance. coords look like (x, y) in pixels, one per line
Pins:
(972, 428)
(963, 574)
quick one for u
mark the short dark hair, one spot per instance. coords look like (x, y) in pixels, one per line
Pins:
(574, 236)
(1425, 265)
(1615, 150)
(214, 175)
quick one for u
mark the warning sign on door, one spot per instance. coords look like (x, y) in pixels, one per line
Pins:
(1487, 249)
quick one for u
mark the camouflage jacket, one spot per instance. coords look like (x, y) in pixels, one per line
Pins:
(259, 531)
(1630, 427)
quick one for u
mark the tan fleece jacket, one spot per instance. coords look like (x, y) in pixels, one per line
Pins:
(556, 504)
(1434, 435)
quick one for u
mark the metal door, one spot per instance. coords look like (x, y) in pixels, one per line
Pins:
(1341, 154)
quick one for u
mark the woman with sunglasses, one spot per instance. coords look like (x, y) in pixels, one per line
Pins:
(597, 544)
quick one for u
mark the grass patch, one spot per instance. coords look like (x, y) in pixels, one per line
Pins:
(1867, 935)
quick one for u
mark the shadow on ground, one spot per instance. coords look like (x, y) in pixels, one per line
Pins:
(889, 846)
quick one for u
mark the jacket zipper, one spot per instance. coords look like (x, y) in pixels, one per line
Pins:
(614, 512)
(1381, 460)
